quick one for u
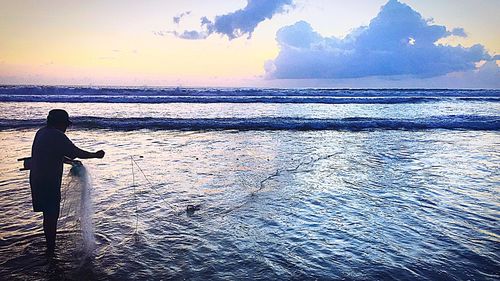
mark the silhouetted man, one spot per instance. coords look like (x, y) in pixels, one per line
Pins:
(51, 148)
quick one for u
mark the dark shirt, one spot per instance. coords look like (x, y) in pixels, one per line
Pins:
(47, 157)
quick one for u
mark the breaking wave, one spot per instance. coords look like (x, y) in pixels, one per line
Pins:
(238, 95)
(450, 122)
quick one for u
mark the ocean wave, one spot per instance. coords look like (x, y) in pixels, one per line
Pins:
(452, 122)
(236, 99)
(237, 95)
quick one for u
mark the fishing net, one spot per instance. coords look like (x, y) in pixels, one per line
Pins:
(76, 209)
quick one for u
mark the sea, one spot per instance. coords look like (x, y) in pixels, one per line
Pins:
(262, 184)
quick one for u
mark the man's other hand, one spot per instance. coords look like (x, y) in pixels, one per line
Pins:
(99, 154)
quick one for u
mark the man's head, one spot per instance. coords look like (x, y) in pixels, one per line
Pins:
(59, 119)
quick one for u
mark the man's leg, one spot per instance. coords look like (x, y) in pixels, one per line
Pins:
(49, 229)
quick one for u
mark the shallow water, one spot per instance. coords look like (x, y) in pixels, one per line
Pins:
(376, 201)
(335, 205)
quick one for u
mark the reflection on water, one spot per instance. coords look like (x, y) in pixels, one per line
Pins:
(273, 205)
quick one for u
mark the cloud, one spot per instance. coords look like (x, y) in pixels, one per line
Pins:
(398, 41)
(460, 32)
(190, 34)
(177, 18)
(238, 23)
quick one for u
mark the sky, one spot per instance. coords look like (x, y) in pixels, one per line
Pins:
(252, 43)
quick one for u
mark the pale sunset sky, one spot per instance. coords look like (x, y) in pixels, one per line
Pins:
(251, 43)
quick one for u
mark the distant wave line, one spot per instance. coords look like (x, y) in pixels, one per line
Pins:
(270, 92)
(236, 99)
(450, 122)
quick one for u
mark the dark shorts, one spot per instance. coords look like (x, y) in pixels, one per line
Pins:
(46, 198)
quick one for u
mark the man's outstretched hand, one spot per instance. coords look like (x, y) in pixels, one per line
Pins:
(99, 154)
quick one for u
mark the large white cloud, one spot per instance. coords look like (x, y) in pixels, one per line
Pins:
(398, 41)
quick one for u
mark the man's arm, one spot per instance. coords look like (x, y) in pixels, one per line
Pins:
(71, 151)
(71, 161)
(83, 154)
